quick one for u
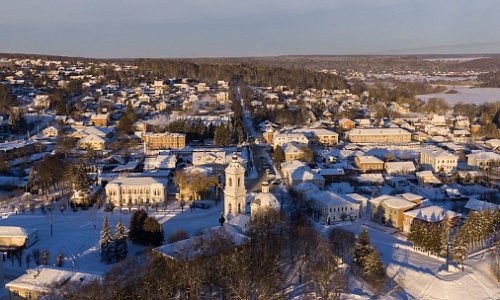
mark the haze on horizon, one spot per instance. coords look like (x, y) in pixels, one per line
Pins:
(229, 28)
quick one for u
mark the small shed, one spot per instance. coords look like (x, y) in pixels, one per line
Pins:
(13, 238)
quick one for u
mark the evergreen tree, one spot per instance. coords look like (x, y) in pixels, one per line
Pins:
(222, 136)
(278, 155)
(445, 234)
(135, 230)
(460, 251)
(106, 242)
(127, 119)
(362, 249)
(121, 248)
(416, 234)
(374, 270)
(153, 232)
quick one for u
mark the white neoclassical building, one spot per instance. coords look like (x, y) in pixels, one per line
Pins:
(438, 159)
(234, 189)
(135, 191)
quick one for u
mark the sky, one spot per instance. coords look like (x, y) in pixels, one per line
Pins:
(235, 28)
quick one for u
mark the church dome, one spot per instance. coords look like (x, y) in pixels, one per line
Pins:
(265, 199)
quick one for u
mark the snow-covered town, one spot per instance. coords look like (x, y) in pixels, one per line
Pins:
(114, 173)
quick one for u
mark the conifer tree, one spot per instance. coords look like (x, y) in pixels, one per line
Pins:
(135, 230)
(278, 155)
(153, 232)
(222, 135)
(362, 249)
(416, 235)
(460, 251)
(121, 248)
(106, 242)
(374, 270)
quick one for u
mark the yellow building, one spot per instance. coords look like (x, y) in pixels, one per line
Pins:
(367, 163)
(388, 210)
(378, 135)
(162, 141)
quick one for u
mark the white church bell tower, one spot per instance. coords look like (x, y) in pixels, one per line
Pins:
(234, 190)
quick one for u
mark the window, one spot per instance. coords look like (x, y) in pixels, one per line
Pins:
(230, 182)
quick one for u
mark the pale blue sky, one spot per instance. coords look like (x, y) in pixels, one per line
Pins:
(218, 28)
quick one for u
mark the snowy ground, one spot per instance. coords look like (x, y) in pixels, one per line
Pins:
(466, 95)
(74, 234)
(414, 275)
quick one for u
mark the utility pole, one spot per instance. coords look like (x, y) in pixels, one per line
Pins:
(50, 222)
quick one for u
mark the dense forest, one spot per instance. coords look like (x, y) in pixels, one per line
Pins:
(248, 73)
(491, 79)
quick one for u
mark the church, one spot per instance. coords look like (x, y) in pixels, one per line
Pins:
(235, 194)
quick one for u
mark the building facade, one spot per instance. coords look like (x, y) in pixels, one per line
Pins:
(378, 135)
(135, 191)
(430, 214)
(388, 210)
(164, 141)
(368, 163)
(439, 160)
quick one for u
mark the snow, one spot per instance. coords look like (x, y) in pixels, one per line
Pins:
(466, 95)
(413, 274)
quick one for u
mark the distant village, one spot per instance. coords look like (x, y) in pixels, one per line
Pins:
(140, 142)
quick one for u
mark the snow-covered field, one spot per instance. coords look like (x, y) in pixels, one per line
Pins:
(74, 234)
(414, 275)
(466, 95)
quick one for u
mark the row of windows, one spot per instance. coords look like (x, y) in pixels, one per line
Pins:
(340, 209)
(156, 192)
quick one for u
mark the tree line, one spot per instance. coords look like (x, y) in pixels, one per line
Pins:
(248, 73)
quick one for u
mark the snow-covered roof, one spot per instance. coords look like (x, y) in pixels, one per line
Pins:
(331, 171)
(356, 197)
(411, 196)
(371, 178)
(13, 231)
(479, 205)
(292, 165)
(303, 174)
(306, 186)
(377, 131)
(190, 248)
(437, 152)
(484, 155)
(432, 213)
(328, 198)
(135, 181)
(399, 166)
(393, 201)
(369, 159)
(266, 199)
(44, 278)
(130, 166)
